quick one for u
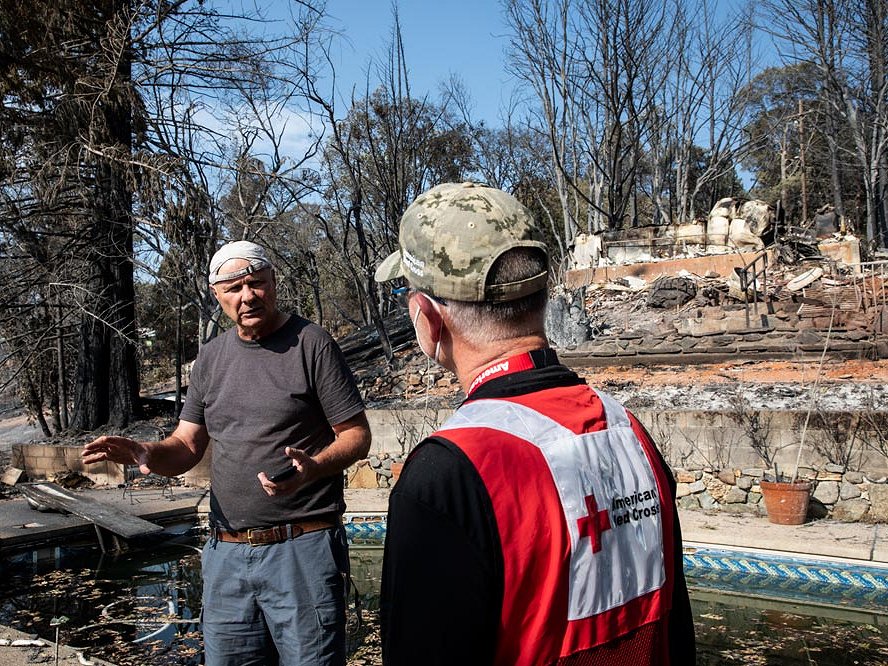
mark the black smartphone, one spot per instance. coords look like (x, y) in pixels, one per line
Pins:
(283, 475)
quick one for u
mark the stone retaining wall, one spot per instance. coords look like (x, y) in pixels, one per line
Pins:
(698, 437)
(726, 331)
(691, 441)
(723, 439)
(845, 496)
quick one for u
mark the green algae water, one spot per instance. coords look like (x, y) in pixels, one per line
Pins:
(140, 608)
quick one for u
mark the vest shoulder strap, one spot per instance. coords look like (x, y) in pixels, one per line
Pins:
(526, 422)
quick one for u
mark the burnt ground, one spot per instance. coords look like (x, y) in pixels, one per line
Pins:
(839, 300)
(766, 383)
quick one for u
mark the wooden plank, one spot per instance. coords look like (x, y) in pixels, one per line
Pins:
(102, 514)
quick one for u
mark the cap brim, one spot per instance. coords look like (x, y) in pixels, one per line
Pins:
(390, 268)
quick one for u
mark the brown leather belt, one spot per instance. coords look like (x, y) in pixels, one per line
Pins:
(263, 536)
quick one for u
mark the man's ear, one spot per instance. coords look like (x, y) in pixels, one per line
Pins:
(431, 311)
(213, 291)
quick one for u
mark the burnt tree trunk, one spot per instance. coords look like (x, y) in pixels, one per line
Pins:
(107, 386)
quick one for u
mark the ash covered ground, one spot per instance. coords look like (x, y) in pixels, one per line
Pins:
(761, 384)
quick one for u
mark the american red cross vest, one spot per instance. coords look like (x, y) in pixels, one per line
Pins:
(584, 520)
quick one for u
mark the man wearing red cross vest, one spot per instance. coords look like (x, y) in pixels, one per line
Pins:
(538, 524)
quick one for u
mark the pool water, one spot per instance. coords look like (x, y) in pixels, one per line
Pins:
(134, 608)
(757, 632)
(139, 608)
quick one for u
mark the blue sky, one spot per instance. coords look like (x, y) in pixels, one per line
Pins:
(440, 37)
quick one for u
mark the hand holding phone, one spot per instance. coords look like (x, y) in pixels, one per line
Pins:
(283, 475)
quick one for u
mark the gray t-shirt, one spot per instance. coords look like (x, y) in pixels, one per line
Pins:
(255, 398)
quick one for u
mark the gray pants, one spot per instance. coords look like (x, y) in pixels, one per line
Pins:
(278, 604)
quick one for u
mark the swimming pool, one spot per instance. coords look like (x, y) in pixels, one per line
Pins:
(750, 608)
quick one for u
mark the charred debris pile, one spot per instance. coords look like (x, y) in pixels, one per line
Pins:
(740, 286)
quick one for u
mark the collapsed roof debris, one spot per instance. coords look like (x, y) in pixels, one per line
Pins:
(854, 299)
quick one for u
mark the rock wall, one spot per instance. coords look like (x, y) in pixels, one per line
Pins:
(730, 329)
(710, 452)
(714, 463)
(838, 494)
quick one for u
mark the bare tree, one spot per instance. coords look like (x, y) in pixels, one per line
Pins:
(628, 96)
(543, 55)
(873, 427)
(221, 103)
(846, 40)
(68, 113)
(712, 62)
(835, 437)
(388, 149)
(715, 445)
(756, 425)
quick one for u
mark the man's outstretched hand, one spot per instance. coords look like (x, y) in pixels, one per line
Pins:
(116, 449)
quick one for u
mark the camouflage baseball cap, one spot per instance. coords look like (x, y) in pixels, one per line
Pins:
(450, 237)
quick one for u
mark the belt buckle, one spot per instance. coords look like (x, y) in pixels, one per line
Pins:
(250, 537)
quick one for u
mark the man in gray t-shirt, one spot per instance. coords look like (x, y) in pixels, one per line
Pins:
(282, 409)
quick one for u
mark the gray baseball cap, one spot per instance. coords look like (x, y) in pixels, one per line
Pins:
(242, 249)
(450, 237)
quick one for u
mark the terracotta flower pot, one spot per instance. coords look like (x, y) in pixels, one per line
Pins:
(786, 503)
(396, 470)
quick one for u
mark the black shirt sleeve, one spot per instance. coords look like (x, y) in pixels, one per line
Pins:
(682, 642)
(442, 575)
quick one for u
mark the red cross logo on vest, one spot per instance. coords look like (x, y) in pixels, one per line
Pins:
(594, 524)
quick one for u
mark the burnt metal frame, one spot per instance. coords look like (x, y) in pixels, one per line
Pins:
(130, 472)
(873, 296)
(746, 282)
